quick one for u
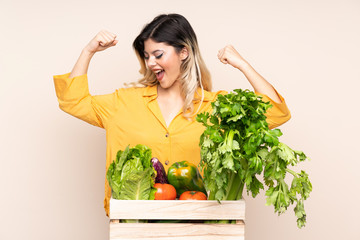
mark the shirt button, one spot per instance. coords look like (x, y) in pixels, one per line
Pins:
(167, 162)
(167, 135)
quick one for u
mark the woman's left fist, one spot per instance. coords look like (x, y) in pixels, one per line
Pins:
(229, 55)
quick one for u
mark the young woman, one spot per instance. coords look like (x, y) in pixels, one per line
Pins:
(175, 87)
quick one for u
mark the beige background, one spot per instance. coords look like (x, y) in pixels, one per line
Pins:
(53, 165)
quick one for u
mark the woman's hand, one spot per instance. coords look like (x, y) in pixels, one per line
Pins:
(101, 41)
(229, 55)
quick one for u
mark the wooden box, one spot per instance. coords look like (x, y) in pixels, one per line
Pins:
(177, 210)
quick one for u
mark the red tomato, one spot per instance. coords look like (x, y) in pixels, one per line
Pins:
(165, 191)
(193, 195)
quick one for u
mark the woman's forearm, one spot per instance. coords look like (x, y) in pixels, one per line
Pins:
(229, 55)
(82, 64)
(100, 42)
(259, 83)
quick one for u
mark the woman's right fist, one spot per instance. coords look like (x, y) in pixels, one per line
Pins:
(101, 41)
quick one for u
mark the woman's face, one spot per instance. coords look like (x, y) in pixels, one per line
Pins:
(164, 61)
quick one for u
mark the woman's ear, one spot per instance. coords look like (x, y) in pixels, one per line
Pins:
(184, 53)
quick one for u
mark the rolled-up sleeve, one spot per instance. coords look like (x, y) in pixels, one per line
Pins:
(278, 114)
(74, 98)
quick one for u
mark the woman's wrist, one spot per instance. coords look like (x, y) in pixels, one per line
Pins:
(87, 52)
(244, 66)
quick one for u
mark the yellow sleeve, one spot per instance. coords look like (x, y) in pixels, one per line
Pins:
(278, 113)
(74, 98)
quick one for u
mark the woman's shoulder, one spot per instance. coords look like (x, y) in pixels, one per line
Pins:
(135, 91)
(212, 95)
(132, 90)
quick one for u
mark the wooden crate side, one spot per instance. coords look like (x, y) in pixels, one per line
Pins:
(176, 231)
(186, 209)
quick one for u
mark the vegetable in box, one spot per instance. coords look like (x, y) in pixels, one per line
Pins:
(237, 146)
(131, 176)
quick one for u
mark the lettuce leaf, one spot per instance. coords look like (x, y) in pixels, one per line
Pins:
(130, 167)
(131, 175)
(136, 186)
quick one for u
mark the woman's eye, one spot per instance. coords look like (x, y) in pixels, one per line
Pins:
(159, 56)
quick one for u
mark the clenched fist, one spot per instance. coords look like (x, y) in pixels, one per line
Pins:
(101, 41)
(229, 55)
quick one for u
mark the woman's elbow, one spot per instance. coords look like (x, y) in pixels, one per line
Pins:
(280, 120)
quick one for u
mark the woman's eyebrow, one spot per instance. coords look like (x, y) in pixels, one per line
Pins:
(153, 52)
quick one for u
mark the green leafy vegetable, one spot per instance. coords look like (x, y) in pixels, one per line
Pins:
(138, 186)
(237, 145)
(131, 175)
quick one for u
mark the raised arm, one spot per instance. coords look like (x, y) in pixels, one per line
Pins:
(72, 88)
(100, 42)
(229, 55)
(279, 112)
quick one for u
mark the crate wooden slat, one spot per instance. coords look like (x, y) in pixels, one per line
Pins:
(177, 209)
(176, 231)
(173, 210)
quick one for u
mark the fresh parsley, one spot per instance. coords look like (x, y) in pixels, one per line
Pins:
(237, 146)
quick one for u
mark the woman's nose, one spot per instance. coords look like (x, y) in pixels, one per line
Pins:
(151, 61)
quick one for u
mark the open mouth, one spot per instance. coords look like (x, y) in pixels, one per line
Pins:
(160, 74)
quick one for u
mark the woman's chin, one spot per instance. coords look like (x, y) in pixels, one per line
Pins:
(164, 84)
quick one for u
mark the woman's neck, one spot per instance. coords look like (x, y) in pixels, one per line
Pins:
(173, 92)
(170, 102)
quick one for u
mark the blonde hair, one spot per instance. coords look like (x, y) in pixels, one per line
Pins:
(176, 31)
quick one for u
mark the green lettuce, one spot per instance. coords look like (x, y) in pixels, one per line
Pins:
(131, 175)
(138, 186)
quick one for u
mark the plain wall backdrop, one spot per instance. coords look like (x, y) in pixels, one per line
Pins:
(53, 165)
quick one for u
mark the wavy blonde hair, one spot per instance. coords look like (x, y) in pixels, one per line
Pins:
(176, 31)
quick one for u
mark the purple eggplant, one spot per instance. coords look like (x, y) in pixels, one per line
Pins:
(160, 171)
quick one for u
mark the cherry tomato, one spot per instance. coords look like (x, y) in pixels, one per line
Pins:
(193, 195)
(165, 191)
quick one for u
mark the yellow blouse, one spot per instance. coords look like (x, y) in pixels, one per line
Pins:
(132, 116)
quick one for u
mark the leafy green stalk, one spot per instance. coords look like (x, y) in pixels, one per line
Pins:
(236, 186)
(237, 146)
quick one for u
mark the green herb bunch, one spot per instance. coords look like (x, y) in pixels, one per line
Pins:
(237, 146)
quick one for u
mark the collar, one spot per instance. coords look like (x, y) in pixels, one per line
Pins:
(151, 91)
